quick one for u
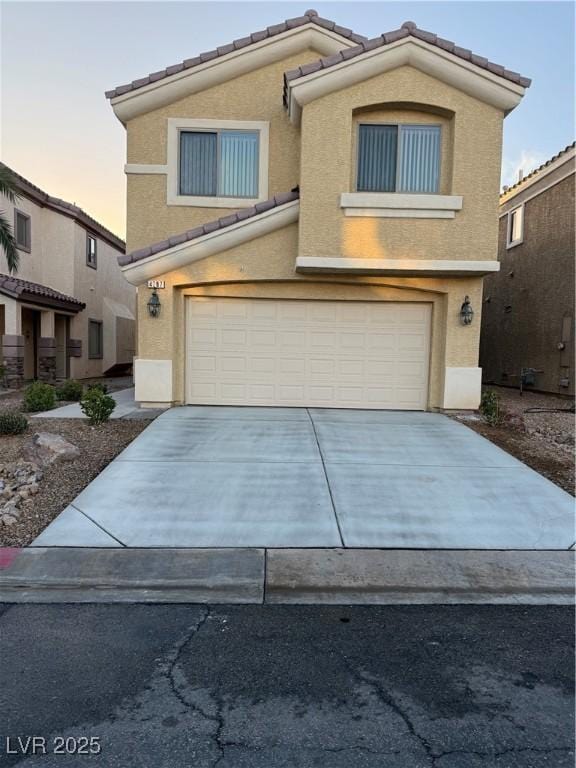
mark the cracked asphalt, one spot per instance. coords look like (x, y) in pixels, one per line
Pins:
(291, 686)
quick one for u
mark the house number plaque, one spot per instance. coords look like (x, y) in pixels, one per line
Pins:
(156, 284)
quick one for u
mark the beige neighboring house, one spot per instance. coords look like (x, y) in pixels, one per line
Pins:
(528, 316)
(312, 209)
(68, 312)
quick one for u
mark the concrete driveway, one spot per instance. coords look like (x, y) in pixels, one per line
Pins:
(282, 477)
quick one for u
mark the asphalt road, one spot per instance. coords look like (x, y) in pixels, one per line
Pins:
(279, 686)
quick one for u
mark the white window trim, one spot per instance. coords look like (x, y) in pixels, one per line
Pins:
(178, 124)
(509, 242)
(400, 205)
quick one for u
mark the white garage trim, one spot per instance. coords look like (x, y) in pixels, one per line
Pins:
(293, 352)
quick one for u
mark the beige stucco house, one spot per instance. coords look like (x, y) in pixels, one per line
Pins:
(68, 312)
(312, 209)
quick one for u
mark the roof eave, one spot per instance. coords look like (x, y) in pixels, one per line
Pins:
(222, 68)
(179, 256)
(562, 158)
(464, 75)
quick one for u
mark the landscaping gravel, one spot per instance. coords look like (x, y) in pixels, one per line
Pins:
(62, 482)
(543, 441)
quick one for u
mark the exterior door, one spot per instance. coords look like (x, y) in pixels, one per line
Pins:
(30, 331)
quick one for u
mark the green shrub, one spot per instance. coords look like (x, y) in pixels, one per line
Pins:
(39, 396)
(490, 407)
(99, 386)
(69, 390)
(12, 423)
(97, 405)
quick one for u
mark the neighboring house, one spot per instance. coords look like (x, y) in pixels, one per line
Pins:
(68, 311)
(528, 315)
(316, 208)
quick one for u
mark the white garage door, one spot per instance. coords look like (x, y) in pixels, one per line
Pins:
(342, 354)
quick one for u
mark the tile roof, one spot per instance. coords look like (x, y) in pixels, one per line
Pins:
(211, 226)
(408, 29)
(27, 189)
(310, 17)
(507, 190)
(17, 288)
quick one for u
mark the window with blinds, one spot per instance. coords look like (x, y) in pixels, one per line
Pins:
(219, 163)
(22, 230)
(398, 158)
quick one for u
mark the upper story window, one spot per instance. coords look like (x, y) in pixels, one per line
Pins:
(398, 158)
(22, 230)
(91, 251)
(515, 232)
(217, 163)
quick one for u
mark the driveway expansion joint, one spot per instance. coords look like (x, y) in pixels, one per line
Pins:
(326, 476)
(99, 526)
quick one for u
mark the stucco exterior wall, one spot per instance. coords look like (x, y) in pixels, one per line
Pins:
(264, 268)
(328, 158)
(93, 287)
(254, 96)
(320, 156)
(529, 304)
(52, 242)
(57, 259)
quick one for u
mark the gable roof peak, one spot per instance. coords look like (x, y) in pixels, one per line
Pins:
(310, 17)
(408, 29)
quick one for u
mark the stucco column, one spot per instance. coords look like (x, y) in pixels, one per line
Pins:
(47, 347)
(462, 376)
(153, 368)
(48, 324)
(12, 345)
(12, 316)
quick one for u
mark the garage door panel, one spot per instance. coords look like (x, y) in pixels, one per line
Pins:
(268, 352)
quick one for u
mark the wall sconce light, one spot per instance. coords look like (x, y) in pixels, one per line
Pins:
(466, 311)
(154, 305)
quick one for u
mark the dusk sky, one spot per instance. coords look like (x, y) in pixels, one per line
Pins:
(58, 130)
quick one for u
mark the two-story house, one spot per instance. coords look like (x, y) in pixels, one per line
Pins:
(528, 315)
(68, 312)
(315, 212)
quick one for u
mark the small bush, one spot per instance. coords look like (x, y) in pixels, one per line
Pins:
(97, 405)
(39, 396)
(70, 390)
(98, 385)
(490, 407)
(12, 423)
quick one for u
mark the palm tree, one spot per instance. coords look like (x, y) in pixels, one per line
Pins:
(7, 240)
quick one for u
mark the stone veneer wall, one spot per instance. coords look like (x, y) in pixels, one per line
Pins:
(12, 358)
(47, 359)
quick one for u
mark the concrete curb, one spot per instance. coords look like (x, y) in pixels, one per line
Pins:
(372, 576)
(276, 576)
(84, 575)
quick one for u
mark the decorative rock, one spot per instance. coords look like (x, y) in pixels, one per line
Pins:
(19, 482)
(46, 448)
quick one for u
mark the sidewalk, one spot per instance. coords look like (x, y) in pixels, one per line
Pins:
(126, 408)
